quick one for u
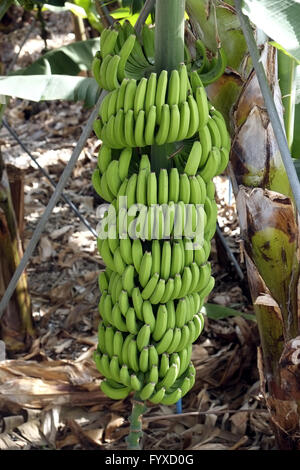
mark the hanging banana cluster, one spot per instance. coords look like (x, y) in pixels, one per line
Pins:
(156, 246)
(122, 56)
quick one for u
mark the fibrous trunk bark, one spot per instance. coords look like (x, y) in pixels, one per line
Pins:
(269, 228)
(16, 326)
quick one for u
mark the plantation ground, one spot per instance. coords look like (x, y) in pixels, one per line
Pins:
(49, 396)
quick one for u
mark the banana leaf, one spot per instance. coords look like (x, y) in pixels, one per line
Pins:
(66, 60)
(4, 6)
(219, 312)
(279, 20)
(51, 87)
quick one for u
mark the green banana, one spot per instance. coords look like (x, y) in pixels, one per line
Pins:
(173, 88)
(150, 286)
(148, 315)
(144, 359)
(150, 93)
(160, 322)
(145, 268)
(143, 337)
(119, 393)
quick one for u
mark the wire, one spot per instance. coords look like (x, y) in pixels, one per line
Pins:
(229, 253)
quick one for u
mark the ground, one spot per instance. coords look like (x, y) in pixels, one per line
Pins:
(49, 395)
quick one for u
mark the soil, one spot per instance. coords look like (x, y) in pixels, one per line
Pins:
(50, 396)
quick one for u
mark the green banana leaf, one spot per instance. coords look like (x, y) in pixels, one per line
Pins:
(51, 87)
(296, 137)
(122, 14)
(66, 60)
(134, 5)
(279, 20)
(55, 76)
(4, 6)
(86, 9)
(218, 312)
(287, 83)
(56, 3)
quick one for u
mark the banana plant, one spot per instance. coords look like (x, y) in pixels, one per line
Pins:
(265, 206)
(264, 198)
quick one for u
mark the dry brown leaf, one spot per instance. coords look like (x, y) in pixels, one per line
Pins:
(33, 384)
(68, 441)
(12, 442)
(75, 315)
(208, 435)
(50, 423)
(212, 446)
(59, 232)
(61, 292)
(62, 345)
(221, 299)
(32, 433)
(8, 423)
(239, 423)
(46, 248)
(114, 423)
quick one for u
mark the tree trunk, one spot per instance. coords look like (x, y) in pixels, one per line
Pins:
(269, 229)
(16, 326)
(16, 184)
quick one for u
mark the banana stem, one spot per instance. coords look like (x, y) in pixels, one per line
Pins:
(169, 53)
(135, 419)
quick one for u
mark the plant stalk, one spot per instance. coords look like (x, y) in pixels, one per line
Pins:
(169, 53)
(135, 419)
(287, 83)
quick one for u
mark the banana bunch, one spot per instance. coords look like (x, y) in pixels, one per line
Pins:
(208, 70)
(166, 205)
(156, 110)
(122, 55)
(155, 238)
(164, 109)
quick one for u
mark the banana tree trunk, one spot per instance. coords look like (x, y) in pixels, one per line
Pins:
(269, 229)
(267, 218)
(16, 328)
